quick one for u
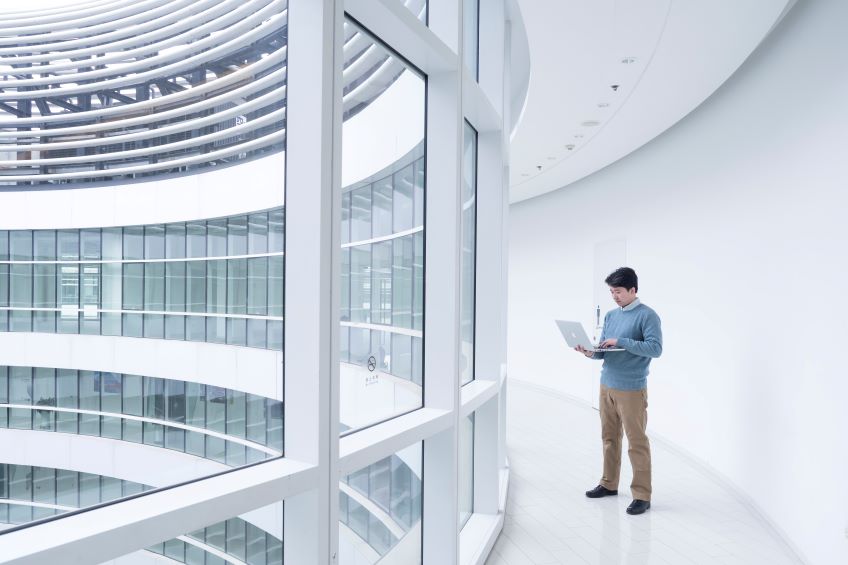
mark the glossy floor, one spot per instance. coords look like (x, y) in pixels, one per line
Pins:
(554, 450)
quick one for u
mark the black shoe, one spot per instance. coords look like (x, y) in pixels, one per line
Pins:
(600, 492)
(638, 507)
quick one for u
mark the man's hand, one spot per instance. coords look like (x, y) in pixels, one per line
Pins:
(612, 342)
(584, 351)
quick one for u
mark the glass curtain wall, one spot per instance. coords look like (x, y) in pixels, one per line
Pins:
(227, 426)
(382, 275)
(218, 280)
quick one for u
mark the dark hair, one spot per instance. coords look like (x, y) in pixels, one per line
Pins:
(624, 277)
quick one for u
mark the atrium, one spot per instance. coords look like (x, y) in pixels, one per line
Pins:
(279, 281)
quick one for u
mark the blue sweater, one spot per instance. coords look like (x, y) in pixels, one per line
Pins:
(637, 328)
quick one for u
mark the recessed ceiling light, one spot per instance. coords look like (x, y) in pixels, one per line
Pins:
(590, 123)
(614, 87)
(569, 147)
(603, 104)
(538, 167)
(628, 60)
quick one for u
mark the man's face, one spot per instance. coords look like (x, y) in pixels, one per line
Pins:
(622, 296)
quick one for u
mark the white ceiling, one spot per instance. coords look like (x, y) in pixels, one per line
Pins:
(665, 56)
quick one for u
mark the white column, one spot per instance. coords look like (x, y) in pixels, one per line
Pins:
(490, 308)
(441, 320)
(312, 251)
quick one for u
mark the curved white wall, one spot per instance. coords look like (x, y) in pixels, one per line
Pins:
(258, 183)
(734, 220)
(248, 369)
(386, 130)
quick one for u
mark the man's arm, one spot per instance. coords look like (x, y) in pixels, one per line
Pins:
(651, 346)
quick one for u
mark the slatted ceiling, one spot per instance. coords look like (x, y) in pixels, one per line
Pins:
(116, 90)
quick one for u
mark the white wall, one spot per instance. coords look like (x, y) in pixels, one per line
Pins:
(258, 183)
(734, 221)
(385, 130)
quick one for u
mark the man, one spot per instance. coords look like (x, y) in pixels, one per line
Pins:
(624, 396)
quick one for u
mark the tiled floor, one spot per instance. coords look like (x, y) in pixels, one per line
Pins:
(555, 456)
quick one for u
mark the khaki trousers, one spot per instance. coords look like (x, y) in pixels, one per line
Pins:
(627, 408)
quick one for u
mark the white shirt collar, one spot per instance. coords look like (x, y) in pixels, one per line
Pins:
(631, 306)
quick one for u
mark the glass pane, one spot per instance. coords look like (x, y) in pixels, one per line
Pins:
(196, 286)
(175, 241)
(20, 245)
(360, 214)
(216, 238)
(345, 285)
(402, 281)
(379, 278)
(360, 283)
(44, 296)
(154, 286)
(381, 283)
(216, 286)
(133, 400)
(68, 296)
(175, 287)
(275, 286)
(276, 231)
(134, 242)
(90, 244)
(90, 299)
(402, 216)
(466, 469)
(381, 506)
(471, 35)
(468, 218)
(237, 286)
(257, 286)
(112, 243)
(154, 242)
(237, 235)
(257, 233)
(345, 218)
(254, 539)
(45, 245)
(133, 291)
(196, 239)
(381, 207)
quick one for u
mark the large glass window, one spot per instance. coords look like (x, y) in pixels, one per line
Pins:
(382, 258)
(201, 277)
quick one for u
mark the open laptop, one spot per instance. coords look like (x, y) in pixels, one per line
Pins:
(575, 335)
